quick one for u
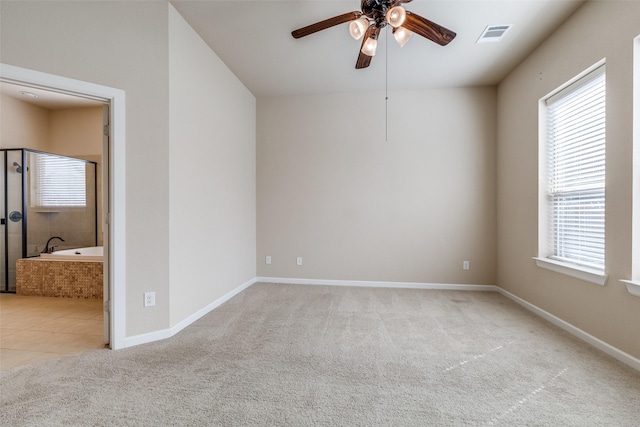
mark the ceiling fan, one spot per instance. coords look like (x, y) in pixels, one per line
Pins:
(375, 15)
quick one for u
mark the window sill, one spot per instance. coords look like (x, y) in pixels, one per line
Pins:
(582, 273)
(633, 286)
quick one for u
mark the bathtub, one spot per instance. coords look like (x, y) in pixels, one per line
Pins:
(93, 254)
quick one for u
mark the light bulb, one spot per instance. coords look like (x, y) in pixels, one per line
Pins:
(369, 47)
(358, 27)
(396, 16)
(402, 35)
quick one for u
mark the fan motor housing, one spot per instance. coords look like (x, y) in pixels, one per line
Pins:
(376, 10)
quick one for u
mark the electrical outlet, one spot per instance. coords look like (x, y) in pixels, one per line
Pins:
(299, 260)
(465, 265)
(149, 299)
(267, 259)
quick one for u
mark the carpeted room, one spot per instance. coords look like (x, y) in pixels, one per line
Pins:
(352, 211)
(280, 354)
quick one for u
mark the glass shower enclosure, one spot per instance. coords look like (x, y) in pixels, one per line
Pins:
(43, 195)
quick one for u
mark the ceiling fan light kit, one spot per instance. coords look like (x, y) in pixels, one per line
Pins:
(396, 16)
(375, 15)
(358, 27)
(402, 35)
(369, 47)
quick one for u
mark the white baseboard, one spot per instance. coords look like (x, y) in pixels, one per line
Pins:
(373, 284)
(215, 304)
(169, 332)
(147, 338)
(612, 351)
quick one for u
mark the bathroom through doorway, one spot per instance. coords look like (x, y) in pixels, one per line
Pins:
(111, 219)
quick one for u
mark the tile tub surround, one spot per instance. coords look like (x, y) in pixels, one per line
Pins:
(66, 279)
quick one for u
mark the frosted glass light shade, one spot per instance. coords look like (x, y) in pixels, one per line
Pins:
(396, 16)
(369, 47)
(402, 35)
(358, 27)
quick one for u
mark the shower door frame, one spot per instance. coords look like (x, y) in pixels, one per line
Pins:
(5, 214)
(114, 211)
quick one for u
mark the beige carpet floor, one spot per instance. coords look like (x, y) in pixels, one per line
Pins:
(290, 355)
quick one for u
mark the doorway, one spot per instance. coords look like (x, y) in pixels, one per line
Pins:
(113, 219)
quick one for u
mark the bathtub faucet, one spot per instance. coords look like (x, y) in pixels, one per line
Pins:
(47, 249)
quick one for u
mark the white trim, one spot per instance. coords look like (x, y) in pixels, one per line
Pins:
(635, 173)
(117, 222)
(633, 286)
(117, 186)
(373, 284)
(577, 82)
(612, 351)
(169, 332)
(215, 304)
(582, 273)
(147, 338)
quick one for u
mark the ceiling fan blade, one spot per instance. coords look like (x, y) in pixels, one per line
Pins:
(327, 23)
(365, 60)
(422, 26)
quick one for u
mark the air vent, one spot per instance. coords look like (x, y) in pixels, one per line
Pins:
(493, 33)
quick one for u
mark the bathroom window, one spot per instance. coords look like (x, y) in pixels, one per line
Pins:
(573, 169)
(59, 182)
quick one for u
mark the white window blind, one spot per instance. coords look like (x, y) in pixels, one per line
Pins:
(60, 181)
(576, 138)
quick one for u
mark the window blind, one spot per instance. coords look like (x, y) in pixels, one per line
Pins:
(576, 138)
(60, 181)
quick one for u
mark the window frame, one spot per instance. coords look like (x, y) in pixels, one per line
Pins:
(633, 285)
(546, 242)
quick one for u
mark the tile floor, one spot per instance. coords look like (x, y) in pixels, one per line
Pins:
(33, 329)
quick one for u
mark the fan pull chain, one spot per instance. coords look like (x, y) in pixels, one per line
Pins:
(386, 86)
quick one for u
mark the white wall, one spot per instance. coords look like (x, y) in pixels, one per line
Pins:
(600, 29)
(190, 157)
(330, 189)
(212, 174)
(122, 45)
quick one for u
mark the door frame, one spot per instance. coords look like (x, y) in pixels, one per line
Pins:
(114, 215)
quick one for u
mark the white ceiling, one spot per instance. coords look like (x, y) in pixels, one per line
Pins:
(254, 40)
(46, 98)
